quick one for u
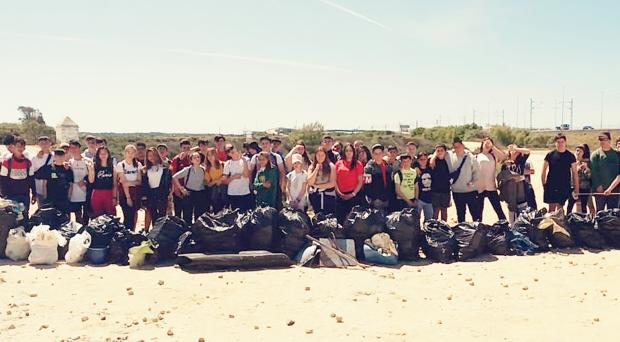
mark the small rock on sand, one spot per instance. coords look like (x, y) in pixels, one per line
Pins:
(449, 297)
(309, 331)
(525, 288)
(256, 327)
(170, 332)
(161, 282)
(290, 323)
(44, 326)
(231, 316)
(11, 327)
(201, 339)
(333, 315)
(33, 295)
(472, 283)
(130, 292)
(597, 319)
(307, 288)
(84, 318)
(339, 319)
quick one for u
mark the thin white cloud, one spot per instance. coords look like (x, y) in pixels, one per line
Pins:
(256, 59)
(283, 62)
(356, 14)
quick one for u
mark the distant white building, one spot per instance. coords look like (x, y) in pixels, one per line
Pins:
(67, 130)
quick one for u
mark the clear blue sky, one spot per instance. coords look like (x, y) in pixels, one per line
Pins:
(230, 65)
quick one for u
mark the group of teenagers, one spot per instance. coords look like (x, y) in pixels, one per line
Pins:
(89, 181)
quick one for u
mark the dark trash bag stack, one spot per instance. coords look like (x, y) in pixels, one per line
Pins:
(8, 220)
(404, 229)
(121, 242)
(165, 237)
(102, 229)
(584, 231)
(293, 226)
(498, 240)
(471, 239)
(439, 241)
(324, 225)
(218, 233)
(48, 216)
(527, 224)
(558, 239)
(258, 227)
(363, 223)
(608, 222)
(187, 244)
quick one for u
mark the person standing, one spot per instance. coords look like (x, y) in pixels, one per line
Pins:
(582, 154)
(322, 183)
(440, 186)
(464, 170)
(162, 150)
(349, 182)
(129, 185)
(220, 147)
(216, 189)
(41, 163)
(392, 158)
(79, 189)
(278, 164)
(519, 158)
(59, 179)
(300, 148)
(178, 163)
(102, 176)
(192, 189)
(424, 182)
(604, 165)
(488, 159)
(405, 184)
(559, 168)
(276, 147)
(237, 177)
(17, 177)
(266, 181)
(91, 147)
(379, 188)
(156, 185)
(297, 183)
(328, 142)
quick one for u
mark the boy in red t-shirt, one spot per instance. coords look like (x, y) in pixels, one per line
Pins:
(17, 177)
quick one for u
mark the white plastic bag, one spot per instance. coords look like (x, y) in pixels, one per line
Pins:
(17, 245)
(78, 245)
(44, 245)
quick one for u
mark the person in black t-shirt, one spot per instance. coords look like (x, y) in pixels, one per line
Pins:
(424, 182)
(561, 165)
(440, 187)
(59, 178)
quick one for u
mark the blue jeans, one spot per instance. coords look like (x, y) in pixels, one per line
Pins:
(426, 208)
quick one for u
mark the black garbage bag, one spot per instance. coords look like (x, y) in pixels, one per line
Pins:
(165, 237)
(527, 224)
(584, 231)
(404, 229)
(8, 221)
(557, 232)
(608, 222)
(102, 229)
(121, 242)
(362, 223)
(498, 241)
(187, 244)
(471, 238)
(48, 216)
(68, 230)
(218, 233)
(439, 241)
(324, 225)
(258, 228)
(293, 226)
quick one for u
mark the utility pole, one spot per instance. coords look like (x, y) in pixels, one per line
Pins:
(563, 101)
(555, 113)
(531, 109)
(602, 102)
(503, 118)
(474, 119)
(571, 113)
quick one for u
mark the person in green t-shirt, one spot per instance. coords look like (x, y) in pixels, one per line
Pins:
(405, 183)
(604, 165)
(266, 181)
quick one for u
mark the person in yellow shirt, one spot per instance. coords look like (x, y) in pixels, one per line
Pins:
(405, 183)
(216, 190)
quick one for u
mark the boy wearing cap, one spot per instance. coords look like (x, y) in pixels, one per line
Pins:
(59, 178)
(91, 147)
(379, 186)
(604, 166)
(297, 181)
(40, 166)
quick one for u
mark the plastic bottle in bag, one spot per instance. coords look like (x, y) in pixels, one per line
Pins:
(78, 245)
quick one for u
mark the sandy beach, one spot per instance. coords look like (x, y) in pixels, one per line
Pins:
(563, 295)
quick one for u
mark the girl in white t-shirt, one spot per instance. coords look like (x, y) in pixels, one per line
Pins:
(296, 184)
(129, 186)
(237, 176)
